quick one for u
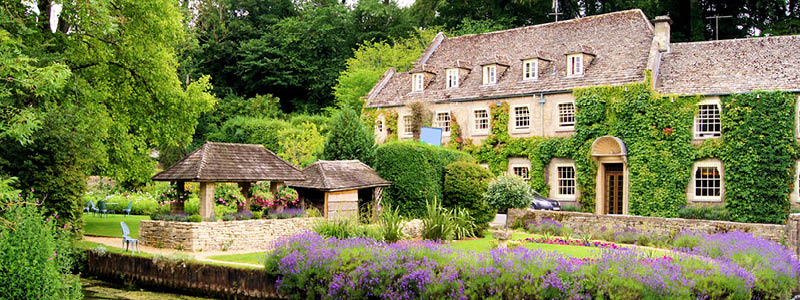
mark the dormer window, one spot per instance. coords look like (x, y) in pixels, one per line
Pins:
(452, 78)
(418, 82)
(489, 74)
(575, 65)
(530, 69)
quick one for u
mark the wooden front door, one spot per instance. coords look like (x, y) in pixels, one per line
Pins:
(614, 184)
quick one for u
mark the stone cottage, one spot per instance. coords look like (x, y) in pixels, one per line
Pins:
(534, 70)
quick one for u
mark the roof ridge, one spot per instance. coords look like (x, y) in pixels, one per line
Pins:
(324, 178)
(740, 39)
(579, 19)
(202, 163)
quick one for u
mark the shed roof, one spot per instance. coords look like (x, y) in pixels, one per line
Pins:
(223, 162)
(339, 175)
(731, 66)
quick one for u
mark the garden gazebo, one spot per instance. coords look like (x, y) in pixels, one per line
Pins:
(336, 187)
(223, 162)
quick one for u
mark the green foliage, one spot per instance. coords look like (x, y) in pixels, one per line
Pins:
(344, 228)
(371, 61)
(228, 194)
(758, 155)
(35, 257)
(301, 144)
(508, 191)
(464, 225)
(195, 218)
(391, 224)
(416, 171)
(437, 223)
(704, 213)
(248, 130)
(464, 186)
(349, 138)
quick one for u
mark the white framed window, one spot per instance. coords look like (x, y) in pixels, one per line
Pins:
(443, 122)
(707, 124)
(566, 180)
(530, 69)
(452, 78)
(489, 74)
(480, 117)
(523, 172)
(707, 180)
(521, 118)
(575, 64)
(408, 126)
(418, 84)
(566, 114)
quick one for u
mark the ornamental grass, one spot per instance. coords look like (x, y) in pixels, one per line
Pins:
(313, 267)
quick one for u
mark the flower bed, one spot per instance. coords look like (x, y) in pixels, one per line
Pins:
(310, 266)
(564, 242)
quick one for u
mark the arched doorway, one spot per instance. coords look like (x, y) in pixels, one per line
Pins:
(612, 176)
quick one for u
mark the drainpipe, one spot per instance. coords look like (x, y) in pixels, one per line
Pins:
(542, 101)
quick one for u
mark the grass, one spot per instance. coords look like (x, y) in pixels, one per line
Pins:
(485, 244)
(109, 226)
(256, 258)
(87, 245)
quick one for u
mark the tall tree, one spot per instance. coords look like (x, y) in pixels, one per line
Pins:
(349, 138)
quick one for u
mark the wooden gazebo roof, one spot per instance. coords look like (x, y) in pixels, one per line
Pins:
(339, 175)
(223, 162)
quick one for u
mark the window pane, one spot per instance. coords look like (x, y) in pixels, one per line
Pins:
(481, 120)
(708, 121)
(407, 126)
(443, 121)
(566, 180)
(522, 117)
(566, 114)
(522, 172)
(708, 182)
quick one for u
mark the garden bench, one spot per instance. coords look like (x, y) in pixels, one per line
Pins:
(127, 240)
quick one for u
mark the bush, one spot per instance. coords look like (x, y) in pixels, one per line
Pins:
(571, 207)
(35, 257)
(508, 191)
(391, 223)
(195, 218)
(437, 224)
(252, 130)
(705, 213)
(349, 138)
(464, 186)
(345, 228)
(464, 225)
(416, 171)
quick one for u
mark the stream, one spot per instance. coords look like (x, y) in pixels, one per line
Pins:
(96, 289)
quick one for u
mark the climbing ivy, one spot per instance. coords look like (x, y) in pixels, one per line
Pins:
(757, 149)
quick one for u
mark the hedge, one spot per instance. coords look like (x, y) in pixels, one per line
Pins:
(416, 171)
(464, 185)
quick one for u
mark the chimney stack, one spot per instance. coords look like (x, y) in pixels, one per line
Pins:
(662, 24)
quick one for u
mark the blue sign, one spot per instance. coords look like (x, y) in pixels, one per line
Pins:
(431, 136)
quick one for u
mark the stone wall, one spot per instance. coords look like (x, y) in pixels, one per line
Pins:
(579, 222)
(214, 236)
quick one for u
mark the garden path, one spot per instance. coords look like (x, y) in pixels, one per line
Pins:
(200, 256)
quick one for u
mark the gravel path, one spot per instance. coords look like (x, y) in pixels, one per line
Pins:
(200, 256)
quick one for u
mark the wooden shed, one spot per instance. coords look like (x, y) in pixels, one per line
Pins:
(339, 187)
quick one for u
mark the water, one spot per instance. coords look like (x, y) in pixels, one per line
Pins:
(95, 289)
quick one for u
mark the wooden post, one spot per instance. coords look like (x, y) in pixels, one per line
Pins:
(176, 207)
(245, 188)
(207, 201)
(274, 186)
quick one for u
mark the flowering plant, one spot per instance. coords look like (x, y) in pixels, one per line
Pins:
(171, 195)
(228, 194)
(261, 195)
(285, 197)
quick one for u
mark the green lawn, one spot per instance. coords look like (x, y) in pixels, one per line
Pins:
(109, 225)
(87, 245)
(485, 244)
(256, 258)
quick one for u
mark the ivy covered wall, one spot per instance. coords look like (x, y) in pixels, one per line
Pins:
(757, 148)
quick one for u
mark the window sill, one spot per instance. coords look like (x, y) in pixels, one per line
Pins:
(519, 131)
(706, 137)
(480, 134)
(707, 200)
(565, 129)
(574, 76)
(569, 198)
(529, 80)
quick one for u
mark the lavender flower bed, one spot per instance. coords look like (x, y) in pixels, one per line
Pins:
(312, 267)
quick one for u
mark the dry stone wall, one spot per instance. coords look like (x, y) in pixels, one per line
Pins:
(580, 222)
(214, 236)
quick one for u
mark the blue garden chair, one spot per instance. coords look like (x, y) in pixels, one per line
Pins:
(94, 208)
(101, 208)
(88, 207)
(127, 240)
(128, 210)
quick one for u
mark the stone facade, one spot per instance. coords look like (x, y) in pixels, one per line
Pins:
(213, 236)
(789, 233)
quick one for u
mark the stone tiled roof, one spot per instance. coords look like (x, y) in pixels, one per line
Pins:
(223, 162)
(339, 175)
(731, 66)
(621, 43)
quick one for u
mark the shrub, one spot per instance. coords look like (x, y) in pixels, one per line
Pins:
(313, 212)
(437, 224)
(391, 223)
(345, 228)
(416, 171)
(548, 226)
(195, 218)
(35, 257)
(258, 214)
(571, 207)
(464, 225)
(464, 186)
(228, 194)
(349, 138)
(508, 191)
(705, 213)
(159, 216)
